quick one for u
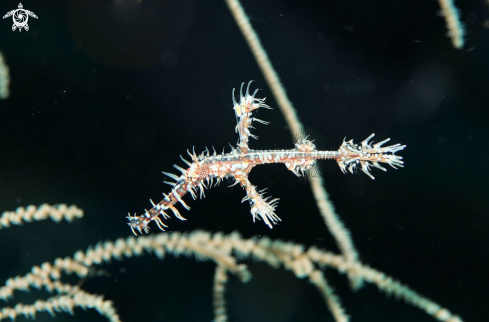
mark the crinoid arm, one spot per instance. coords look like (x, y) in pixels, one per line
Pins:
(366, 155)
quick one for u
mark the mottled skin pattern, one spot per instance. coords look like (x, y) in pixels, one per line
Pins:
(207, 167)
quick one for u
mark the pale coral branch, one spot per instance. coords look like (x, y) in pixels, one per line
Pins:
(62, 303)
(455, 28)
(331, 299)
(4, 78)
(32, 213)
(218, 294)
(326, 208)
(221, 249)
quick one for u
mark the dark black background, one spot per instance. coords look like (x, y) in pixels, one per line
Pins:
(106, 95)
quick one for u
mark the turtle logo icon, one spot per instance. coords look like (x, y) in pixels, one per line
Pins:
(20, 17)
